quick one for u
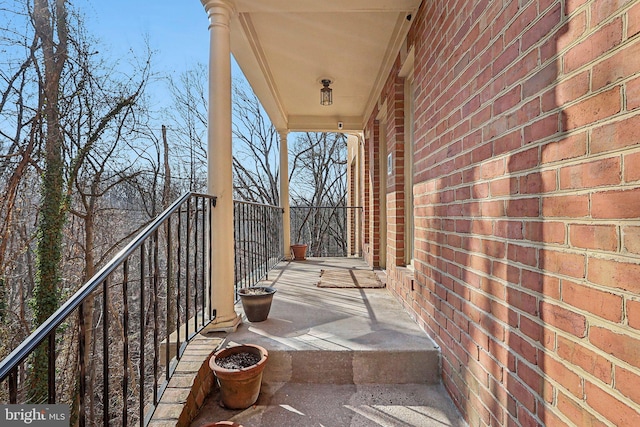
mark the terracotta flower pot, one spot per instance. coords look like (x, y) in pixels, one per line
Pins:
(239, 388)
(256, 302)
(299, 252)
(223, 424)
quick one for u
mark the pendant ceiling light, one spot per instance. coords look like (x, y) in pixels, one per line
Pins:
(326, 95)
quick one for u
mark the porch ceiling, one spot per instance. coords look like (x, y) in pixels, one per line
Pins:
(286, 47)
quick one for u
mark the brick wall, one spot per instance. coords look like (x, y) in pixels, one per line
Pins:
(395, 181)
(527, 206)
(372, 222)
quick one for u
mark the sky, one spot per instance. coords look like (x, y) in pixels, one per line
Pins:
(177, 31)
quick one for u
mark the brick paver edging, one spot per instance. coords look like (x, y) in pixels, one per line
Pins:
(189, 386)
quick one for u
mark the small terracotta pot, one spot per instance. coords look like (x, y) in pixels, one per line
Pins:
(299, 252)
(239, 388)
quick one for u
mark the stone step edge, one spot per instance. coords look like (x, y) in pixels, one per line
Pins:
(354, 367)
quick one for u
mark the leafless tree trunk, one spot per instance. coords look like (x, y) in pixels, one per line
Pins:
(50, 23)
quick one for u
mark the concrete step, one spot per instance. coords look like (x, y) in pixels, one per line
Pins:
(392, 366)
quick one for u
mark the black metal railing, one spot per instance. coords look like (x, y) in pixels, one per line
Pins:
(328, 231)
(112, 347)
(258, 241)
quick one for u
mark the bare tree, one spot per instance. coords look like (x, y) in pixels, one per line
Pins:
(58, 106)
(318, 165)
(318, 183)
(256, 151)
(188, 118)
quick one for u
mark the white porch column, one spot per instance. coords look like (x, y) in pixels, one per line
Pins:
(284, 193)
(219, 176)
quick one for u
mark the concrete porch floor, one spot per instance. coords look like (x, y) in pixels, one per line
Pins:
(338, 357)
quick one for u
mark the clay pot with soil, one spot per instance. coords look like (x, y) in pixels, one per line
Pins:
(238, 371)
(256, 302)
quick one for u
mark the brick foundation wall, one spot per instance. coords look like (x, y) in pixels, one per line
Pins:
(527, 207)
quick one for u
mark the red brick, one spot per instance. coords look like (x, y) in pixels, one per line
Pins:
(632, 167)
(632, 92)
(548, 232)
(633, 313)
(601, 10)
(566, 35)
(590, 361)
(577, 412)
(506, 58)
(627, 383)
(611, 407)
(492, 169)
(566, 206)
(507, 143)
(603, 237)
(540, 80)
(622, 347)
(561, 373)
(595, 45)
(571, 147)
(631, 239)
(520, 392)
(589, 175)
(547, 285)
(566, 91)
(539, 182)
(507, 101)
(573, 5)
(509, 229)
(623, 64)
(549, 414)
(522, 301)
(616, 135)
(518, 208)
(531, 328)
(541, 129)
(616, 204)
(592, 109)
(563, 319)
(523, 160)
(490, 365)
(492, 208)
(522, 254)
(506, 271)
(520, 68)
(505, 186)
(523, 19)
(531, 377)
(603, 304)
(526, 418)
(619, 275)
(522, 348)
(633, 21)
(542, 27)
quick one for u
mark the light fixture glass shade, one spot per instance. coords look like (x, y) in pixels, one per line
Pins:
(326, 95)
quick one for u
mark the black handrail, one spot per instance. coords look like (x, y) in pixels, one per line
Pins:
(258, 241)
(99, 285)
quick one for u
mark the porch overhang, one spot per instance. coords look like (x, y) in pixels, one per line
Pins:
(285, 48)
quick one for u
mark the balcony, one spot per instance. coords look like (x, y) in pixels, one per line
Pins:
(338, 357)
(147, 363)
